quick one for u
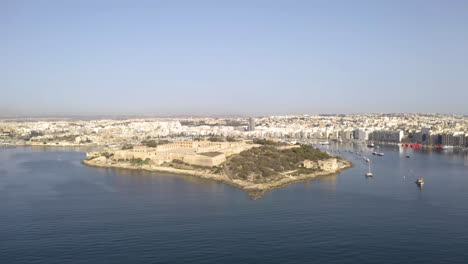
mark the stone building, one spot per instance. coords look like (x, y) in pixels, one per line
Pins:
(200, 153)
(326, 165)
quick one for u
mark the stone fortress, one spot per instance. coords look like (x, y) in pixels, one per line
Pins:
(199, 153)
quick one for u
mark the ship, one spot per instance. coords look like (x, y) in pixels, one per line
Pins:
(420, 182)
(380, 154)
(371, 145)
(324, 143)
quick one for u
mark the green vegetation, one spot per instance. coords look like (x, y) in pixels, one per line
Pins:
(107, 155)
(150, 143)
(266, 163)
(139, 162)
(216, 139)
(267, 142)
(91, 158)
(231, 139)
(86, 141)
(127, 146)
(36, 134)
(69, 138)
(154, 143)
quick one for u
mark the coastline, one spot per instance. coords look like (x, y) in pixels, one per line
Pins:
(51, 145)
(254, 189)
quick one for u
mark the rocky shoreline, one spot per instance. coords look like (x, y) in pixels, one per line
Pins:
(254, 189)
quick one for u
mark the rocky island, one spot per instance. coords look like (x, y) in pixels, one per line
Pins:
(255, 166)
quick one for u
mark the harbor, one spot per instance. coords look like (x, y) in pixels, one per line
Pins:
(404, 164)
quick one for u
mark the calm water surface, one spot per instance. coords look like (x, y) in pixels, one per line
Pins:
(53, 209)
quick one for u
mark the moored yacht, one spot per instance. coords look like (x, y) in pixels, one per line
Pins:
(369, 173)
(420, 181)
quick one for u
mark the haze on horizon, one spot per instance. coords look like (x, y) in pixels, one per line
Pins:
(233, 57)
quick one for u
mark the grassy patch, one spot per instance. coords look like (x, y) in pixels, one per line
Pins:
(267, 163)
(140, 162)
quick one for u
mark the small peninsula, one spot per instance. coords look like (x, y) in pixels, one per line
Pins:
(253, 165)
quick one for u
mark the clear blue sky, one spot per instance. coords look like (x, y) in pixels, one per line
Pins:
(233, 57)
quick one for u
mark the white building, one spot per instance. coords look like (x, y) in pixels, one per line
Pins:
(387, 136)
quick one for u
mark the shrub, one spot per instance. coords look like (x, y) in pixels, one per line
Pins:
(127, 146)
(216, 139)
(107, 155)
(267, 142)
(139, 162)
(150, 143)
(268, 162)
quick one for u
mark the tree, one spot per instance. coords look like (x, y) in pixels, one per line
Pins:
(150, 143)
(127, 146)
(216, 139)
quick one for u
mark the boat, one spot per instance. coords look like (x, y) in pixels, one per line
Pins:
(371, 145)
(324, 143)
(366, 159)
(374, 153)
(380, 154)
(408, 156)
(410, 145)
(420, 181)
(443, 147)
(369, 173)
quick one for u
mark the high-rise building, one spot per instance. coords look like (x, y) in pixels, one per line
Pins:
(387, 136)
(447, 139)
(459, 139)
(361, 134)
(251, 126)
(424, 135)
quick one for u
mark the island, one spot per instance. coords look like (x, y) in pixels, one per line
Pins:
(254, 165)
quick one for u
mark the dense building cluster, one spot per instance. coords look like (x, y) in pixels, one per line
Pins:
(429, 129)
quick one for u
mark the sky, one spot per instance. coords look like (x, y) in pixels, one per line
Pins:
(233, 57)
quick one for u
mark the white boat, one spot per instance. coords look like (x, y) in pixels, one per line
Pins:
(371, 145)
(420, 182)
(324, 143)
(369, 173)
(366, 159)
(380, 154)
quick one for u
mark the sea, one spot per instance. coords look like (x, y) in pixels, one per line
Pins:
(54, 209)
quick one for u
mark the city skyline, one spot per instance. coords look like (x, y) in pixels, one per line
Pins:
(238, 58)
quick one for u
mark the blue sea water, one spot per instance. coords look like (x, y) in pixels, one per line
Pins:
(53, 209)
